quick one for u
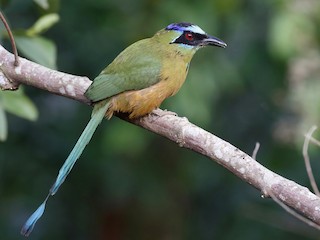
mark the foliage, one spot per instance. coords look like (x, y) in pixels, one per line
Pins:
(131, 184)
(37, 48)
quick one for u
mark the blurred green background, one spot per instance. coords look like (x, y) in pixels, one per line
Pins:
(133, 184)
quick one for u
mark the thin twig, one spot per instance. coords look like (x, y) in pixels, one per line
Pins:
(283, 205)
(13, 43)
(292, 212)
(307, 160)
(314, 141)
(255, 151)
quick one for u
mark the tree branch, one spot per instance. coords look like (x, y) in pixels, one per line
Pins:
(175, 128)
(35, 75)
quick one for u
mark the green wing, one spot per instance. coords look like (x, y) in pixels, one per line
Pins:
(135, 68)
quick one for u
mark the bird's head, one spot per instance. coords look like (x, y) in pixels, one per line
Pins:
(190, 36)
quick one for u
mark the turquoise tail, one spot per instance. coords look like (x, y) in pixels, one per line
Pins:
(97, 116)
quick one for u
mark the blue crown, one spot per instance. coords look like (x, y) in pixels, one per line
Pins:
(178, 26)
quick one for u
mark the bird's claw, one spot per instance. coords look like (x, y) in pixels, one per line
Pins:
(160, 113)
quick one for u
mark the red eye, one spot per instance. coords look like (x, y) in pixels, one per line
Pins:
(188, 36)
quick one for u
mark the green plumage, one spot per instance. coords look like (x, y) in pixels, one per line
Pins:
(131, 70)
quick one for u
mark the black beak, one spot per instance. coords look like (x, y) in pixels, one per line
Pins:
(213, 41)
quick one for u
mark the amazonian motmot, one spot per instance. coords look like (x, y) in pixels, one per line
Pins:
(136, 82)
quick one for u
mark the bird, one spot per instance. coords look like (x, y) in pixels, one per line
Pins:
(135, 83)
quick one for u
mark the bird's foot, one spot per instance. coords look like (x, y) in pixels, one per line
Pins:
(160, 113)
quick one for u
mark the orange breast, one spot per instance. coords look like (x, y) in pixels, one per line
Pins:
(141, 102)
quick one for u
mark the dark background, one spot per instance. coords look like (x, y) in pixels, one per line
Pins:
(132, 184)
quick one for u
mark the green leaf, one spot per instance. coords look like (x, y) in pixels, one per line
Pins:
(42, 3)
(38, 49)
(43, 24)
(3, 124)
(17, 103)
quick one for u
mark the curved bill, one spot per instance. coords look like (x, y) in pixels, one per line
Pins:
(213, 41)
